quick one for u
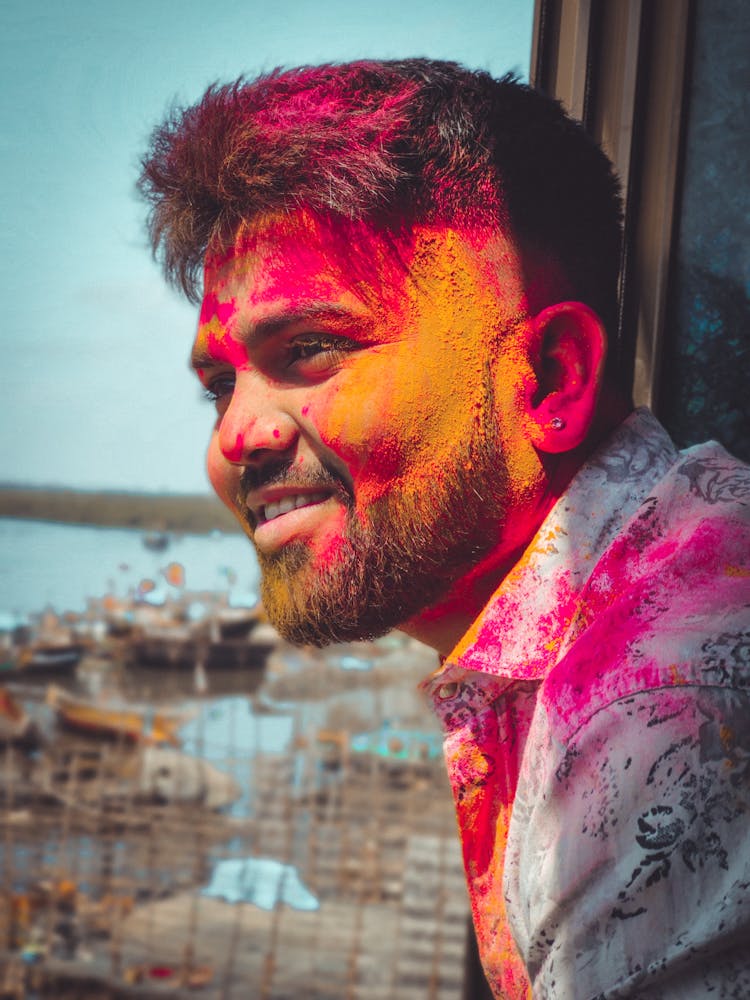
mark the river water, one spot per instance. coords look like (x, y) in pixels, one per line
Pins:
(61, 565)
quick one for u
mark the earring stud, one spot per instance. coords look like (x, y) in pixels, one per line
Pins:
(557, 423)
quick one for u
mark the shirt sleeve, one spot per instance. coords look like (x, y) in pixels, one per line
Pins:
(635, 864)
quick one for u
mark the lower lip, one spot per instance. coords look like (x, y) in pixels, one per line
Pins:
(297, 523)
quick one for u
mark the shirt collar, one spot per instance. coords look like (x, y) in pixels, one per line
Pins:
(521, 632)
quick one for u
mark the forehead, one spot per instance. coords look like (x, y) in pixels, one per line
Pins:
(298, 256)
(302, 254)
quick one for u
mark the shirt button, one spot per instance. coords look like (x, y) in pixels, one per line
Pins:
(446, 691)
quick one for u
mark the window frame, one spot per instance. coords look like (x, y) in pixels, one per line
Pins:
(621, 68)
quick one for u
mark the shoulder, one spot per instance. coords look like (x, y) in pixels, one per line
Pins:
(668, 603)
(714, 477)
(636, 863)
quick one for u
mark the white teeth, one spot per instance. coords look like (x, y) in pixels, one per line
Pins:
(278, 507)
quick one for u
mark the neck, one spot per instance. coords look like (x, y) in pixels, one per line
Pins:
(444, 623)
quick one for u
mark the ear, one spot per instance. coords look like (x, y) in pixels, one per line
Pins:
(571, 344)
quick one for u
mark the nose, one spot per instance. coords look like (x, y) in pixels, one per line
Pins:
(255, 423)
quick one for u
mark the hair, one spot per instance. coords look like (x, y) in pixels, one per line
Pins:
(394, 142)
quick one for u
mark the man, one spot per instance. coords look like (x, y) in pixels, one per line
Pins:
(409, 272)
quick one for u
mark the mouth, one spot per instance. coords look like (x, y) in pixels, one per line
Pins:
(284, 505)
(294, 516)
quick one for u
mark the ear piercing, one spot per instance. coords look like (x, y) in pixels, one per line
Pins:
(557, 423)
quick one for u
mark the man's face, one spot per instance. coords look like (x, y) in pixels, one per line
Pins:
(365, 436)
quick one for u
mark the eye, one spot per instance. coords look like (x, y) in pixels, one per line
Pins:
(219, 388)
(317, 352)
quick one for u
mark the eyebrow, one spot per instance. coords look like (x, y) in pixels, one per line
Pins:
(332, 315)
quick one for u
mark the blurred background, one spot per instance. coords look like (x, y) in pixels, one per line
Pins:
(187, 802)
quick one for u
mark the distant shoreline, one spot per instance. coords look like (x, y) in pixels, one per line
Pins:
(192, 513)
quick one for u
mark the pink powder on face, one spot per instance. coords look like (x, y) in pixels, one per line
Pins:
(234, 454)
(215, 330)
(213, 308)
(276, 432)
(224, 348)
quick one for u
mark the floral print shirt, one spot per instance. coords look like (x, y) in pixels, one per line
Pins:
(597, 735)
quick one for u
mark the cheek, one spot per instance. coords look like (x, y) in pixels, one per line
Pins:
(399, 418)
(357, 419)
(222, 475)
(326, 543)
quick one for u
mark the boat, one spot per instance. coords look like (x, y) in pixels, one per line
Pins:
(185, 648)
(155, 541)
(399, 744)
(16, 725)
(167, 775)
(40, 660)
(237, 621)
(115, 719)
(400, 753)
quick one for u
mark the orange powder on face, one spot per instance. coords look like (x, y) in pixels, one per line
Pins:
(453, 324)
(421, 394)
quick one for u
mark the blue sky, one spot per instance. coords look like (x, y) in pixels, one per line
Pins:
(95, 387)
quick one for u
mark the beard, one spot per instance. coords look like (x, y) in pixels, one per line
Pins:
(397, 558)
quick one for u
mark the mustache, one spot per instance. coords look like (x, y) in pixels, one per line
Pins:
(284, 473)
